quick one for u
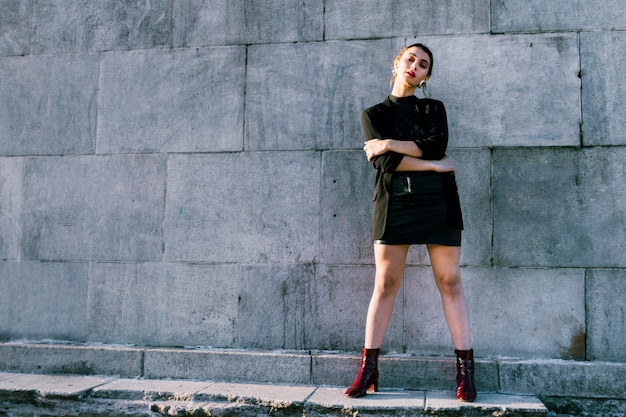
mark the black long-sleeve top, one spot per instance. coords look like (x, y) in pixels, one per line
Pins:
(428, 128)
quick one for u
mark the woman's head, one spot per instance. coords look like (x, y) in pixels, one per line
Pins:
(416, 55)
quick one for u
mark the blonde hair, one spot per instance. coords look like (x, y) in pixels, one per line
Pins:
(399, 56)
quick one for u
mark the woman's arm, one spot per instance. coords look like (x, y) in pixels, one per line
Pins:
(377, 147)
(409, 163)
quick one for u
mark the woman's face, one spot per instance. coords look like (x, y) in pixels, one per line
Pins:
(413, 66)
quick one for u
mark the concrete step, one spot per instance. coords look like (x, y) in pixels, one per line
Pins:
(67, 395)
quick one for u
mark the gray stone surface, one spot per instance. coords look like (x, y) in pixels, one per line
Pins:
(150, 389)
(15, 27)
(227, 22)
(228, 366)
(551, 16)
(338, 300)
(501, 301)
(315, 104)
(45, 300)
(372, 19)
(564, 378)
(165, 304)
(69, 359)
(495, 97)
(441, 402)
(52, 385)
(164, 100)
(252, 207)
(274, 298)
(604, 107)
(606, 314)
(11, 170)
(277, 396)
(48, 104)
(559, 207)
(93, 208)
(84, 25)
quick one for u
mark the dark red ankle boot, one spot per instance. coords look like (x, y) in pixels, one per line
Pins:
(466, 390)
(368, 374)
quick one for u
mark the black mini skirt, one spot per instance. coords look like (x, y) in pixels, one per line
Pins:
(418, 211)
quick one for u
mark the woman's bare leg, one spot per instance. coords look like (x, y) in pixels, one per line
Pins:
(445, 262)
(390, 261)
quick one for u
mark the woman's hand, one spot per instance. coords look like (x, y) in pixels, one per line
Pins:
(444, 165)
(375, 147)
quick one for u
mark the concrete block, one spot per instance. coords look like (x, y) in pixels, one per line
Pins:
(603, 92)
(189, 100)
(317, 105)
(43, 300)
(150, 389)
(347, 208)
(473, 178)
(16, 27)
(48, 104)
(338, 299)
(502, 300)
(253, 207)
(497, 100)
(80, 26)
(606, 315)
(564, 378)
(227, 22)
(426, 332)
(272, 306)
(163, 304)
(487, 404)
(541, 16)
(11, 170)
(348, 20)
(559, 207)
(65, 359)
(277, 396)
(93, 208)
(389, 403)
(228, 366)
(50, 386)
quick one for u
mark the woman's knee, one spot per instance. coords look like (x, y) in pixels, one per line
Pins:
(387, 285)
(449, 283)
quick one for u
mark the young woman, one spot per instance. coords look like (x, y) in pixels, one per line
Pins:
(415, 202)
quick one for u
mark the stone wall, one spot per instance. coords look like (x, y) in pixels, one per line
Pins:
(186, 173)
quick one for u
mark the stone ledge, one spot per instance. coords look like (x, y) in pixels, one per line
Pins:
(548, 377)
(112, 396)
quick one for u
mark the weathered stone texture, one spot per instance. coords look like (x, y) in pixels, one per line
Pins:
(11, 170)
(80, 26)
(228, 22)
(251, 207)
(604, 87)
(606, 314)
(560, 207)
(43, 300)
(15, 27)
(520, 312)
(520, 90)
(378, 19)
(163, 304)
(187, 100)
(550, 16)
(48, 104)
(338, 300)
(93, 208)
(284, 288)
(317, 103)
